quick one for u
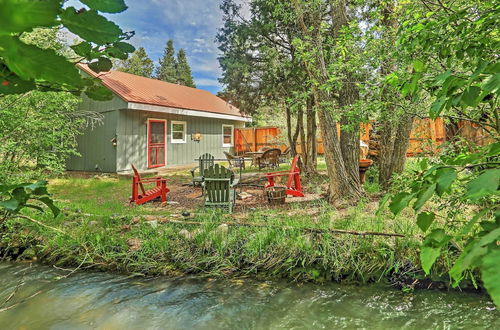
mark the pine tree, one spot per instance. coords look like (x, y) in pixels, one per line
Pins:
(138, 63)
(166, 71)
(184, 75)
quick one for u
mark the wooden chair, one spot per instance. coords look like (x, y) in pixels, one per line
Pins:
(293, 186)
(263, 149)
(205, 161)
(219, 186)
(235, 161)
(270, 158)
(159, 191)
(285, 155)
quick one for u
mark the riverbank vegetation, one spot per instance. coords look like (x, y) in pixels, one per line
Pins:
(303, 241)
(323, 67)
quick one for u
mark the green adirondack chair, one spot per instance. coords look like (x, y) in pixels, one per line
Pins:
(219, 186)
(205, 161)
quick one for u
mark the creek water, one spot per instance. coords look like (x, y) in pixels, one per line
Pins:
(89, 300)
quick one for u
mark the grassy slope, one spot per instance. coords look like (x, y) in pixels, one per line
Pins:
(105, 232)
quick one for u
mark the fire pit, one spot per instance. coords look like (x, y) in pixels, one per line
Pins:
(364, 165)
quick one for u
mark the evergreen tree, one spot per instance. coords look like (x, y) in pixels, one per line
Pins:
(184, 75)
(138, 63)
(166, 71)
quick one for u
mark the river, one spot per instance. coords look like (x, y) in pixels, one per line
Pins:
(89, 300)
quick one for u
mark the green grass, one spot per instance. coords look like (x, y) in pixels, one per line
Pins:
(293, 241)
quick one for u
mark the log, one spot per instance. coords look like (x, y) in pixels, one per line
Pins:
(252, 178)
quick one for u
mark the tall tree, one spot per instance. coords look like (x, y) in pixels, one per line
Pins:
(394, 123)
(261, 71)
(184, 75)
(166, 71)
(327, 51)
(138, 63)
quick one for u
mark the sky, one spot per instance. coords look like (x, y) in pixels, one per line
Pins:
(192, 24)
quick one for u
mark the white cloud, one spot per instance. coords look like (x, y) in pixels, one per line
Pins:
(207, 82)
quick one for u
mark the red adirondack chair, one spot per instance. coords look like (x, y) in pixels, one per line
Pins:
(159, 191)
(293, 186)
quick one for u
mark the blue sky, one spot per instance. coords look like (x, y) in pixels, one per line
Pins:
(192, 24)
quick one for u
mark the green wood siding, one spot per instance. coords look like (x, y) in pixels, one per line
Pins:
(132, 138)
(95, 146)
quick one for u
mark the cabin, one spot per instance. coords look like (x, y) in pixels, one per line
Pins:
(152, 124)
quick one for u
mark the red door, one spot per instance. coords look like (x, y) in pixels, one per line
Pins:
(156, 142)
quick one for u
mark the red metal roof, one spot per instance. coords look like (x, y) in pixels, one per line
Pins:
(137, 89)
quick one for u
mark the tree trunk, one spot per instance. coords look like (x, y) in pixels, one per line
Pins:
(394, 132)
(311, 153)
(292, 139)
(343, 183)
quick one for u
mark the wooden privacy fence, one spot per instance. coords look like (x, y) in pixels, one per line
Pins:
(426, 137)
(253, 138)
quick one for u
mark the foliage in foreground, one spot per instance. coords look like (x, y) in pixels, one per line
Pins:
(455, 46)
(15, 198)
(25, 67)
(464, 184)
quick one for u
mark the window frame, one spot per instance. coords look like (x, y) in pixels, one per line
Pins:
(228, 145)
(178, 122)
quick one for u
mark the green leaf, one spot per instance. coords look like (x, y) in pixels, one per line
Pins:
(10, 205)
(107, 6)
(484, 185)
(90, 26)
(99, 93)
(490, 270)
(428, 256)
(472, 254)
(423, 164)
(425, 220)
(124, 47)
(35, 186)
(418, 66)
(23, 15)
(471, 96)
(32, 63)
(382, 203)
(102, 64)
(399, 202)
(437, 107)
(50, 203)
(116, 53)
(439, 80)
(424, 196)
(83, 49)
(445, 177)
(494, 149)
(392, 79)
(492, 84)
(467, 228)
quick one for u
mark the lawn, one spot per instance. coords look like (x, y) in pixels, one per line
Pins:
(300, 240)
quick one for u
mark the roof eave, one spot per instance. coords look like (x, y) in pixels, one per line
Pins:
(186, 112)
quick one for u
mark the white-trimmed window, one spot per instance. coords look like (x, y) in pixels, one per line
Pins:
(227, 135)
(178, 131)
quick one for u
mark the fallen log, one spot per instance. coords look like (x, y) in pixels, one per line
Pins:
(163, 219)
(308, 229)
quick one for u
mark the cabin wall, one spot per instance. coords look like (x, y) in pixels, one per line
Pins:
(96, 150)
(95, 147)
(132, 139)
